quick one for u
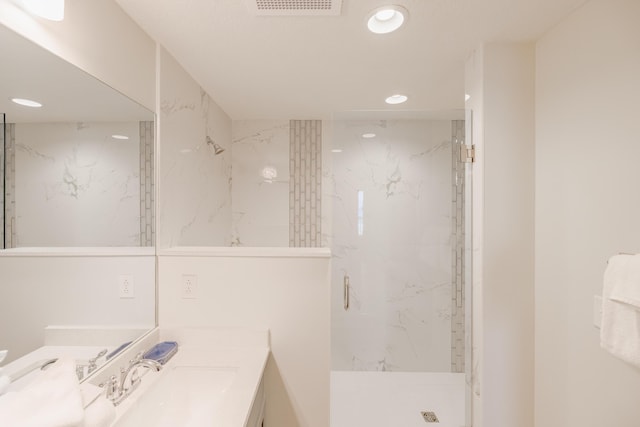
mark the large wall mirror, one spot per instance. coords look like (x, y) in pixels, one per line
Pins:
(77, 211)
(79, 168)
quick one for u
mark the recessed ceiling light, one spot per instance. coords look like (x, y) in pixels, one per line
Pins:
(396, 99)
(52, 10)
(386, 19)
(119, 136)
(368, 135)
(26, 102)
(336, 150)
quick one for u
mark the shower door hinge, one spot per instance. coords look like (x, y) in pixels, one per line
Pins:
(468, 153)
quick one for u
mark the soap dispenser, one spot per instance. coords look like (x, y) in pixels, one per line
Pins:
(4, 378)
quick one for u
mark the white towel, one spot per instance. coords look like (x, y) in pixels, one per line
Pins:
(52, 399)
(626, 286)
(98, 410)
(90, 393)
(100, 413)
(620, 329)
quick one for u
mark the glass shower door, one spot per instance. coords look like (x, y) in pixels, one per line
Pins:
(401, 222)
(397, 246)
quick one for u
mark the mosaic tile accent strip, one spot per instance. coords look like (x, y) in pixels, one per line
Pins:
(147, 185)
(457, 250)
(305, 171)
(10, 240)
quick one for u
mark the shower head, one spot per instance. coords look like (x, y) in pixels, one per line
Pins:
(217, 149)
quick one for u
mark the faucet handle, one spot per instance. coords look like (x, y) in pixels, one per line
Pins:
(80, 370)
(112, 387)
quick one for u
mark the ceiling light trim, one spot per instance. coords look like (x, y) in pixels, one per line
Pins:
(396, 99)
(387, 19)
(53, 10)
(25, 102)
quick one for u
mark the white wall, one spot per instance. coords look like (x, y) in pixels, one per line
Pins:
(99, 38)
(77, 186)
(194, 183)
(72, 289)
(284, 290)
(500, 81)
(587, 208)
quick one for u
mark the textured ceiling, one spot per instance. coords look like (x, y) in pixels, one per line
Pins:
(277, 67)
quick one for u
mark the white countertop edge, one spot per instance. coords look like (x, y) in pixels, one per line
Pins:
(255, 252)
(127, 251)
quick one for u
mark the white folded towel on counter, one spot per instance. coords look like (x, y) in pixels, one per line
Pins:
(52, 399)
(90, 393)
(620, 329)
(98, 410)
(100, 413)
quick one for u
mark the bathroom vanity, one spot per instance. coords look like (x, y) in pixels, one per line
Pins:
(215, 379)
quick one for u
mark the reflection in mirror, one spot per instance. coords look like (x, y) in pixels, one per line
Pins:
(75, 184)
(77, 276)
(79, 168)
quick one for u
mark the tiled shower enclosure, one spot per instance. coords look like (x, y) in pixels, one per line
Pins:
(397, 233)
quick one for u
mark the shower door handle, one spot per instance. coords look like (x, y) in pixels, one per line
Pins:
(346, 292)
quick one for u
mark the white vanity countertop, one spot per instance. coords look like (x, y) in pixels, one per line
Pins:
(243, 353)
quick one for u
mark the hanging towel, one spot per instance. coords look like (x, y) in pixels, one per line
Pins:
(620, 329)
(52, 399)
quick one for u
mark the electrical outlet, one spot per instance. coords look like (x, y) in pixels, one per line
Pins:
(126, 288)
(189, 286)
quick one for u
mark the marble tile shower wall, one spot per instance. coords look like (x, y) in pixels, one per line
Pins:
(73, 185)
(392, 238)
(458, 248)
(147, 185)
(194, 206)
(260, 190)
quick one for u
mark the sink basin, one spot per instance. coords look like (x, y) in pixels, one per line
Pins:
(181, 396)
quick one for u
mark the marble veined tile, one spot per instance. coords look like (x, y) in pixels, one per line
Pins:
(77, 186)
(391, 235)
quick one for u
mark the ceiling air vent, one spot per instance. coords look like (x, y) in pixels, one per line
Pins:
(294, 7)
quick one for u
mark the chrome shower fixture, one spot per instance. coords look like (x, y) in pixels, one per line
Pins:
(217, 149)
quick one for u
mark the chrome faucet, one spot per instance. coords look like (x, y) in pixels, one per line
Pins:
(119, 388)
(93, 362)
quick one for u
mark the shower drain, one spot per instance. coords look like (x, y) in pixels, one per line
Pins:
(430, 417)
